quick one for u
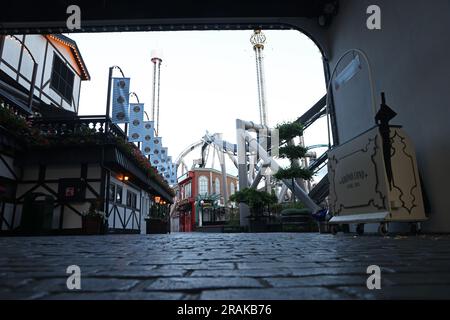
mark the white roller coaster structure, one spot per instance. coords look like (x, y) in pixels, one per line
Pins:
(250, 174)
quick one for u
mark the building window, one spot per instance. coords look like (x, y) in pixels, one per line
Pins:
(119, 192)
(232, 188)
(217, 185)
(131, 199)
(62, 79)
(112, 192)
(203, 185)
(115, 193)
(187, 190)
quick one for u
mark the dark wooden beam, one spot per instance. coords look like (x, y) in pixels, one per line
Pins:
(114, 15)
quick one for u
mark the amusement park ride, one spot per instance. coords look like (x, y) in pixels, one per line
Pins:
(372, 178)
(255, 152)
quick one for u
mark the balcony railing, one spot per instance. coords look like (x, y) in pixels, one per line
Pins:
(93, 125)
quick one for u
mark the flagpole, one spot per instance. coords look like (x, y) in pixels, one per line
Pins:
(108, 99)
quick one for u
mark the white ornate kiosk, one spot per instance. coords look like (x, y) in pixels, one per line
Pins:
(374, 178)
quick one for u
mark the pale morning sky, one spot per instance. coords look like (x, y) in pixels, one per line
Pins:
(208, 80)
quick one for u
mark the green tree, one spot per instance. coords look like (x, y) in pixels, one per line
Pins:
(288, 131)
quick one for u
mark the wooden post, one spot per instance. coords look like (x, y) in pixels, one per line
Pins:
(33, 83)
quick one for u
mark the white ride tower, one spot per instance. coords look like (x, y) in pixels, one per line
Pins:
(156, 57)
(258, 39)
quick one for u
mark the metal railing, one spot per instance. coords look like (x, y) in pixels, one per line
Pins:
(89, 125)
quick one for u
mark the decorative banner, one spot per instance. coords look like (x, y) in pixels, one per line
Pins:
(163, 155)
(167, 175)
(162, 168)
(120, 100)
(173, 174)
(136, 126)
(155, 158)
(158, 155)
(174, 170)
(167, 171)
(149, 134)
(156, 145)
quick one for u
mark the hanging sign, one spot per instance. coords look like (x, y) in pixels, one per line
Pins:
(120, 100)
(149, 135)
(136, 126)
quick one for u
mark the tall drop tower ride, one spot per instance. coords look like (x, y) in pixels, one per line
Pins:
(157, 60)
(258, 40)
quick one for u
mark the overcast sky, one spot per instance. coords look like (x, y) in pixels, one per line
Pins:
(208, 79)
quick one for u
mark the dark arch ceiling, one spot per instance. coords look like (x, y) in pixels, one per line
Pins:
(140, 15)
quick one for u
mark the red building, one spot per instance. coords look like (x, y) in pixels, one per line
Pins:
(198, 191)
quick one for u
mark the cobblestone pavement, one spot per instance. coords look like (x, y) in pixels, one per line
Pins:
(225, 266)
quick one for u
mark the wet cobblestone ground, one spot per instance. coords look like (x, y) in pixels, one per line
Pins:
(225, 266)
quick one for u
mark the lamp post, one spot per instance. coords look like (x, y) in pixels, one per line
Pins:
(200, 218)
(35, 67)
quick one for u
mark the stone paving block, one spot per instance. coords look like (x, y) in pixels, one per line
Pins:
(12, 283)
(400, 279)
(36, 275)
(317, 281)
(203, 283)
(416, 292)
(20, 295)
(243, 273)
(87, 285)
(197, 266)
(289, 264)
(136, 273)
(273, 294)
(329, 271)
(275, 265)
(154, 295)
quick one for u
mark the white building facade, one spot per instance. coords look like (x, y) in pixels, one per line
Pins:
(60, 67)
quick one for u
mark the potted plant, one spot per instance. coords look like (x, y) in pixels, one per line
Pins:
(257, 201)
(94, 220)
(296, 218)
(157, 220)
(288, 132)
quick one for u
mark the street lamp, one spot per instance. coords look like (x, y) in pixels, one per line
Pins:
(200, 218)
(35, 67)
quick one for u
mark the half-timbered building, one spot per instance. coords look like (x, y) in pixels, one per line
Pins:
(55, 164)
